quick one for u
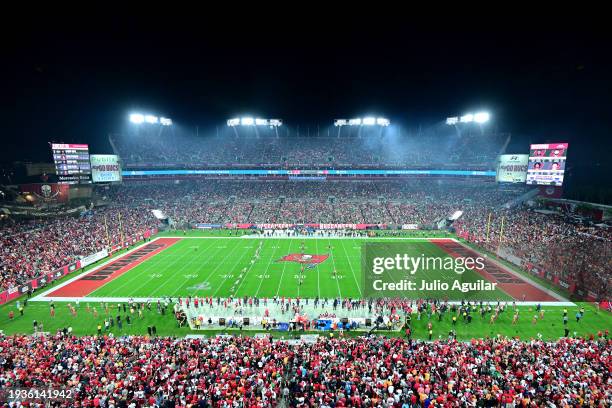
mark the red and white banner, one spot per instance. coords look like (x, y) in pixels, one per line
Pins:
(410, 226)
(274, 226)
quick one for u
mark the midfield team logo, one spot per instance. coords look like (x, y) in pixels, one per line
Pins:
(304, 258)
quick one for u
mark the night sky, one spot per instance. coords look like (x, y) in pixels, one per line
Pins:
(76, 83)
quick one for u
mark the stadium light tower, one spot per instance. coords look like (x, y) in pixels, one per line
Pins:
(382, 122)
(481, 117)
(369, 121)
(149, 123)
(139, 119)
(247, 121)
(453, 120)
(152, 119)
(254, 122)
(250, 121)
(478, 117)
(467, 118)
(365, 121)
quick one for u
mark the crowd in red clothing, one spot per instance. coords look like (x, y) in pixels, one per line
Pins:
(415, 201)
(337, 372)
(571, 252)
(550, 242)
(431, 149)
(30, 249)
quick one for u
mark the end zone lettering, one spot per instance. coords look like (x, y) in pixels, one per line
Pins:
(104, 273)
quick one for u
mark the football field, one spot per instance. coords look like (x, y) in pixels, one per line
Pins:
(254, 266)
(222, 267)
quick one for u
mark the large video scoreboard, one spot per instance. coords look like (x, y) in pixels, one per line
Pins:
(72, 163)
(547, 164)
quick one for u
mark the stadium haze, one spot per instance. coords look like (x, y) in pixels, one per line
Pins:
(403, 216)
(266, 250)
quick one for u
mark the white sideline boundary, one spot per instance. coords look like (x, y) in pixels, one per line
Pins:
(310, 300)
(322, 237)
(43, 297)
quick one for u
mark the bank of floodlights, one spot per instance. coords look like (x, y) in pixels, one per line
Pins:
(366, 121)
(250, 121)
(478, 117)
(139, 119)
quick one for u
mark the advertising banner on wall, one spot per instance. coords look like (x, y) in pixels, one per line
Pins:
(512, 168)
(105, 168)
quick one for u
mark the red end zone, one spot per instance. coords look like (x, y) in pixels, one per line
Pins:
(91, 281)
(510, 283)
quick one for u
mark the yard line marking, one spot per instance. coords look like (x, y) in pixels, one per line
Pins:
(262, 274)
(280, 282)
(318, 272)
(203, 253)
(331, 255)
(166, 267)
(352, 270)
(225, 280)
(148, 268)
(79, 275)
(161, 261)
(87, 283)
(208, 261)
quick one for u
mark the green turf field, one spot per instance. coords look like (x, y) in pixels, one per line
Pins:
(551, 327)
(183, 267)
(212, 267)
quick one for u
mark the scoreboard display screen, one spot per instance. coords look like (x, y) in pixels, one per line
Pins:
(72, 163)
(547, 164)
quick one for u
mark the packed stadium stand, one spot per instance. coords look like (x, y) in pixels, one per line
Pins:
(130, 371)
(435, 148)
(187, 221)
(358, 372)
(552, 242)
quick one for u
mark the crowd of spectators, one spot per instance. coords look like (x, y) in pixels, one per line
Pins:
(549, 242)
(104, 371)
(32, 248)
(568, 251)
(420, 202)
(434, 149)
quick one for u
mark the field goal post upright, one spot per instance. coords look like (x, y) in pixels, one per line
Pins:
(501, 235)
(488, 226)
